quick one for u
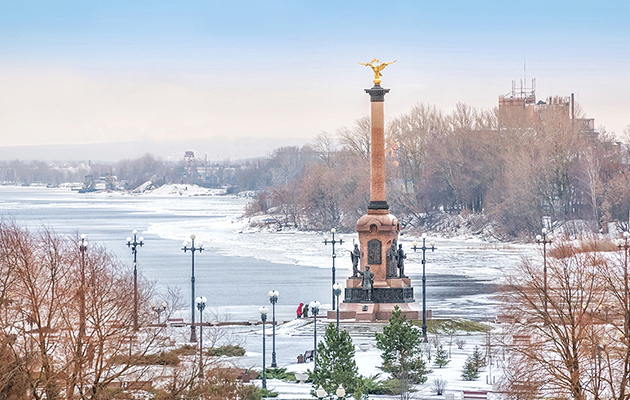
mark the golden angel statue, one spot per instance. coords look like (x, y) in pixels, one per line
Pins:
(377, 66)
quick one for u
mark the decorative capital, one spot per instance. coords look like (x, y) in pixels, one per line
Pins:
(377, 93)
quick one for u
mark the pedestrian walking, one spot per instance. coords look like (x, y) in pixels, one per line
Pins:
(305, 311)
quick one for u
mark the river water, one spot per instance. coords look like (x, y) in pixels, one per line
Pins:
(240, 265)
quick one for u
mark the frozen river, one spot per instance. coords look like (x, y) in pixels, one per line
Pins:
(239, 266)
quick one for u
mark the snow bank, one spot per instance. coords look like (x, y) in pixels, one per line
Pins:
(174, 189)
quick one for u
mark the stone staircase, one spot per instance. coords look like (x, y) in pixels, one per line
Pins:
(357, 330)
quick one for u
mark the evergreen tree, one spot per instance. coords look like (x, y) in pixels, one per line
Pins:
(478, 359)
(441, 357)
(470, 372)
(474, 363)
(335, 362)
(400, 343)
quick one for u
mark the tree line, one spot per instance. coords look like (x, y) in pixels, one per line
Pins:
(127, 174)
(493, 172)
(507, 173)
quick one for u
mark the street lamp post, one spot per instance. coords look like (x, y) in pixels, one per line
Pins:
(201, 305)
(545, 239)
(82, 319)
(273, 298)
(334, 255)
(158, 309)
(624, 245)
(337, 293)
(193, 249)
(82, 248)
(315, 310)
(133, 244)
(424, 249)
(263, 317)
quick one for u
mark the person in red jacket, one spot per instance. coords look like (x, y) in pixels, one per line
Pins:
(299, 310)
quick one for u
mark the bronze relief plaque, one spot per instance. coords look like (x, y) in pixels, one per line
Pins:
(374, 252)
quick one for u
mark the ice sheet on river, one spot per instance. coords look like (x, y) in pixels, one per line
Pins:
(240, 265)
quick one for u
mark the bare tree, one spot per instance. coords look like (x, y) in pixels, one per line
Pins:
(324, 147)
(507, 171)
(357, 140)
(65, 316)
(592, 178)
(564, 341)
(411, 134)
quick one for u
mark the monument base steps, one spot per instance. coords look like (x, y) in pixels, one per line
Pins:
(372, 312)
(393, 283)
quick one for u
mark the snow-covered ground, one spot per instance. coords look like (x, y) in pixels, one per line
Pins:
(175, 189)
(368, 362)
(296, 336)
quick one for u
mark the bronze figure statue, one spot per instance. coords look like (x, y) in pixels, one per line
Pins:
(355, 255)
(368, 281)
(401, 262)
(392, 260)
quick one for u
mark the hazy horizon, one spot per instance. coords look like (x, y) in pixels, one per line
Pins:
(89, 73)
(172, 150)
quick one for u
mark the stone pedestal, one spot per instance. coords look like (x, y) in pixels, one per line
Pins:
(377, 231)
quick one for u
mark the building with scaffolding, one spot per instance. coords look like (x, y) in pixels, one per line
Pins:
(520, 108)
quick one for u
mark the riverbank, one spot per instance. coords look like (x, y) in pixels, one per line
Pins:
(240, 265)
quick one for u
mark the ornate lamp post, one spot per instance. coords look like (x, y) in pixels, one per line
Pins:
(545, 239)
(263, 317)
(273, 298)
(624, 245)
(193, 249)
(337, 293)
(82, 318)
(334, 255)
(315, 310)
(82, 248)
(78, 371)
(424, 249)
(158, 309)
(133, 244)
(201, 305)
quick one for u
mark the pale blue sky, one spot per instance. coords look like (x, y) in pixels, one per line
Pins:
(109, 71)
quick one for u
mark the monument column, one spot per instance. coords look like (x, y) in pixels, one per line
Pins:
(378, 199)
(378, 230)
(378, 233)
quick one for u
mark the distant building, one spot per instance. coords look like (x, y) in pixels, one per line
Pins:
(520, 106)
